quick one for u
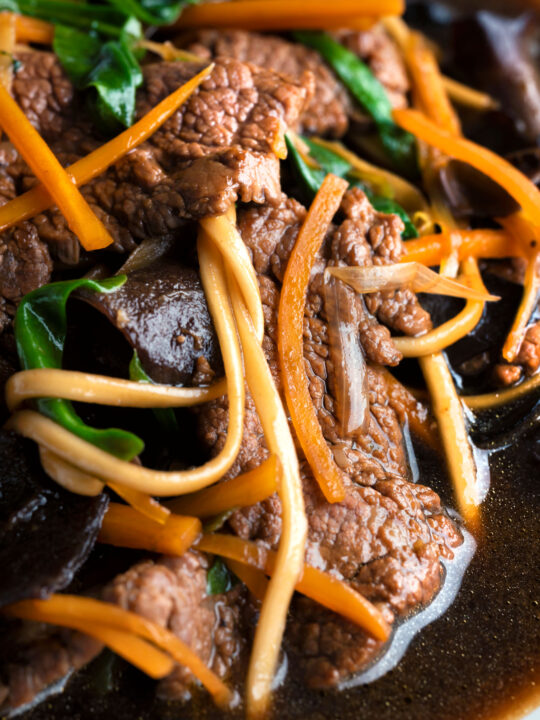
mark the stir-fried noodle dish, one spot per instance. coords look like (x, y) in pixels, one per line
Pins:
(269, 359)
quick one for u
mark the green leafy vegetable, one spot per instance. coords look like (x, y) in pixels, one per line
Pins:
(219, 578)
(110, 68)
(165, 416)
(97, 18)
(330, 162)
(370, 93)
(153, 12)
(40, 332)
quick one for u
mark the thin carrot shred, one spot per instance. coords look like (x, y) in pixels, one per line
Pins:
(428, 84)
(284, 14)
(38, 199)
(125, 527)
(7, 45)
(65, 610)
(290, 337)
(325, 589)
(142, 502)
(430, 249)
(33, 30)
(255, 580)
(508, 177)
(90, 231)
(243, 490)
(529, 301)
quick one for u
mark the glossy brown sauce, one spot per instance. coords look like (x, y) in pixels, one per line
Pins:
(479, 661)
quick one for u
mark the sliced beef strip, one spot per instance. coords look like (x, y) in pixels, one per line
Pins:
(34, 656)
(171, 591)
(219, 147)
(330, 106)
(388, 535)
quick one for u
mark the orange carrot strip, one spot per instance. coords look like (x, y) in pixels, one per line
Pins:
(290, 337)
(428, 84)
(285, 15)
(75, 608)
(255, 580)
(531, 291)
(315, 584)
(125, 527)
(136, 651)
(83, 222)
(38, 199)
(508, 177)
(142, 502)
(7, 45)
(430, 249)
(246, 489)
(409, 409)
(32, 30)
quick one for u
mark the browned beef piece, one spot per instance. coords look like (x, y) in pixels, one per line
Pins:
(330, 107)
(527, 360)
(218, 147)
(35, 656)
(25, 265)
(172, 592)
(386, 538)
(42, 89)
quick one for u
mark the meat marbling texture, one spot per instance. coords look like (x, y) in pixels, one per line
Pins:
(329, 108)
(219, 147)
(388, 535)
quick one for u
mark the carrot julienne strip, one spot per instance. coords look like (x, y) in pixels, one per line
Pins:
(255, 580)
(125, 527)
(508, 177)
(143, 503)
(285, 15)
(90, 231)
(243, 490)
(135, 650)
(526, 308)
(72, 608)
(7, 45)
(38, 199)
(322, 587)
(430, 249)
(428, 84)
(33, 30)
(290, 337)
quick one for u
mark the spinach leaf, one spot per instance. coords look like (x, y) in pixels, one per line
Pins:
(165, 416)
(330, 162)
(370, 93)
(153, 12)
(40, 333)
(85, 16)
(110, 68)
(219, 578)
